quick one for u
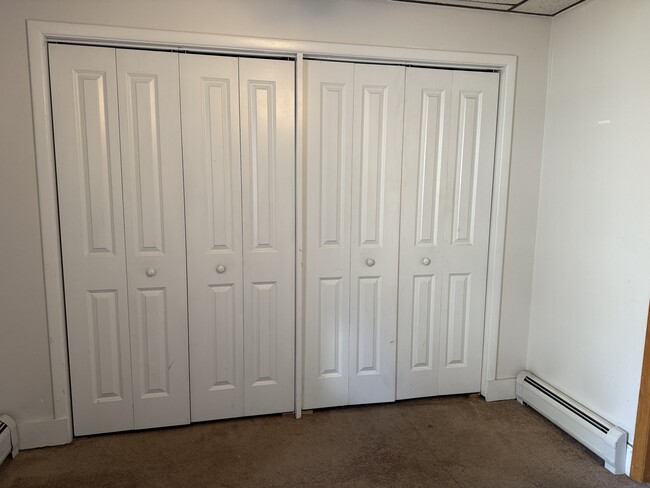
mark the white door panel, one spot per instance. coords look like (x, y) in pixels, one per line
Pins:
(86, 130)
(424, 176)
(211, 159)
(328, 112)
(268, 208)
(155, 235)
(376, 173)
(450, 126)
(468, 200)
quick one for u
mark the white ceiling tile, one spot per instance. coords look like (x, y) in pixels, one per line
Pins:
(547, 7)
(484, 2)
(542, 7)
(472, 3)
(478, 3)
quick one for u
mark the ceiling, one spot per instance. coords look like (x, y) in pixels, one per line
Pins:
(547, 8)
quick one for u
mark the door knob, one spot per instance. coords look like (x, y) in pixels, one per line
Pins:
(221, 269)
(426, 261)
(151, 272)
(370, 262)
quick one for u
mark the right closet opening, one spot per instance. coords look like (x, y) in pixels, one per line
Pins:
(398, 186)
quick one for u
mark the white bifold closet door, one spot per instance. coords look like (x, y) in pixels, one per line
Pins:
(357, 349)
(374, 240)
(449, 142)
(241, 276)
(211, 154)
(353, 144)
(267, 108)
(122, 233)
(329, 97)
(91, 215)
(152, 178)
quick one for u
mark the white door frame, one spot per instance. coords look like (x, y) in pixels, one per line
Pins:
(58, 430)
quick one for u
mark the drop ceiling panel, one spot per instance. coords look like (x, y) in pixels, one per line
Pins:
(472, 3)
(536, 7)
(545, 7)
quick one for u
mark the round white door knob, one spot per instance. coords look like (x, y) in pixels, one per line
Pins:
(221, 269)
(370, 262)
(151, 272)
(426, 261)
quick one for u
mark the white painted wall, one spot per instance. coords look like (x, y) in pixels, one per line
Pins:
(25, 389)
(592, 262)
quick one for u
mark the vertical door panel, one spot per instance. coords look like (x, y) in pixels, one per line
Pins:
(424, 171)
(151, 318)
(268, 190)
(376, 173)
(466, 235)
(155, 230)
(84, 105)
(455, 348)
(328, 105)
(211, 159)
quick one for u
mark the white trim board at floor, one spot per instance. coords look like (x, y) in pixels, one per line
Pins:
(41, 33)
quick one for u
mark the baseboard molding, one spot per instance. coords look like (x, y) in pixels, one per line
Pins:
(44, 432)
(628, 460)
(500, 390)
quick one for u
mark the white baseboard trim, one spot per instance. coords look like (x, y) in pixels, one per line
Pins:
(44, 432)
(500, 390)
(628, 460)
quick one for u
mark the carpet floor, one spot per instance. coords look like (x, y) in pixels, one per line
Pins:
(436, 442)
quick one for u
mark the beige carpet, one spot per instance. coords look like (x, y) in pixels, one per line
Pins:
(445, 442)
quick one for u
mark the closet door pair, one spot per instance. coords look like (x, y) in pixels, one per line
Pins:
(399, 172)
(120, 185)
(448, 163)
(134, 194)
(238, 148)
(354, 117)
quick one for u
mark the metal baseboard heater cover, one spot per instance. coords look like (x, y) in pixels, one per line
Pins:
(605, 439)
(8, 437)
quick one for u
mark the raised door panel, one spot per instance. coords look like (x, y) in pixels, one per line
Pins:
(456, 326)
(268, 194)
(212, 168)
(466, 235)
(154, 340)
(86, 134)
(328, 112)
(106, 374)
(152, 170)
(424, 176)
(376, 175)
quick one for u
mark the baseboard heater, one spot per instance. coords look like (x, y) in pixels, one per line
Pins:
(605, 439)
(8, 437)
